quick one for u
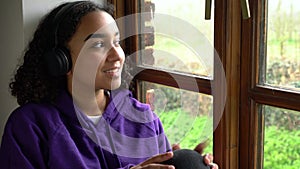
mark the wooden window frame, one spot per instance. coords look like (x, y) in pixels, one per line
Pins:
(253, 94)
(227, 43)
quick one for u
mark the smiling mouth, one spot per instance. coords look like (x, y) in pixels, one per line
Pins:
(112, 72)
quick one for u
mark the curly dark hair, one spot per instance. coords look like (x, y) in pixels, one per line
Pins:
(31, 82)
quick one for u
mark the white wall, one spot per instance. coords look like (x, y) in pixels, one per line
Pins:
(18, 19)
(11, 35)
(33, 10)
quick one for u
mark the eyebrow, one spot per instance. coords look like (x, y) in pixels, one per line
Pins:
(98, 35)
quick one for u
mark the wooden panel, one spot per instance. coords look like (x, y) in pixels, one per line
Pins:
(245, 117)
(131, 7)
(219, 144)
(175, 80)
(227, 43)
(119, 7)
(248, 128)
(276, 97)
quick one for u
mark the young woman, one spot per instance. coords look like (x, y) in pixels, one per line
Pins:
(72, 113)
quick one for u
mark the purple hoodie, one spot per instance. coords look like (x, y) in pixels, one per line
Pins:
(59, 136)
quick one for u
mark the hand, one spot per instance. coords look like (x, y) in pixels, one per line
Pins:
(153, 162)
(175, 147)
(208, 158)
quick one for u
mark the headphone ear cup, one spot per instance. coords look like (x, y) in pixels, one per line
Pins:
(187, 159)
(58, 61)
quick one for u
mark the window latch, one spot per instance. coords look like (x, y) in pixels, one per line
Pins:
(207, 9)
(245, 9)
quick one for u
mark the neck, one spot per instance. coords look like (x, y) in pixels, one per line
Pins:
(90, 102)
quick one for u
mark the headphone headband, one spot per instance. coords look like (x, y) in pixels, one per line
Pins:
(61, 14)
(58, 60)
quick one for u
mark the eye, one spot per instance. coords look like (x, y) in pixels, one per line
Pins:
(98, 44)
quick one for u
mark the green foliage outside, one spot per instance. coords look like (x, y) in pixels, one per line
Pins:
(281, 138)
(281, 148)
(281, 118)
(187, 130)
(283, 45)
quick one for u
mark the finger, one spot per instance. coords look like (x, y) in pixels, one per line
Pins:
(213, 166)
(208, 158)
(158, 158)
(175, 147)
(157, 166)
(200, 147)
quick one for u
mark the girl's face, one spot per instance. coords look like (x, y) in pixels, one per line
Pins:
(97, 57)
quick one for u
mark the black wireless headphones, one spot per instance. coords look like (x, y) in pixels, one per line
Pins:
(58, 59)
(187, 159)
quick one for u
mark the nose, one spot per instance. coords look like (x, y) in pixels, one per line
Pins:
(115, 54)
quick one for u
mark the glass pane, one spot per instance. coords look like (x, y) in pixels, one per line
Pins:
(281, 138)
(186, 116)
(283, 44)
(182, 40)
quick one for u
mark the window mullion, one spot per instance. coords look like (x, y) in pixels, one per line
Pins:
(227, 44)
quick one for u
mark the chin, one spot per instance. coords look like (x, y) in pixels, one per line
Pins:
(115, 84)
